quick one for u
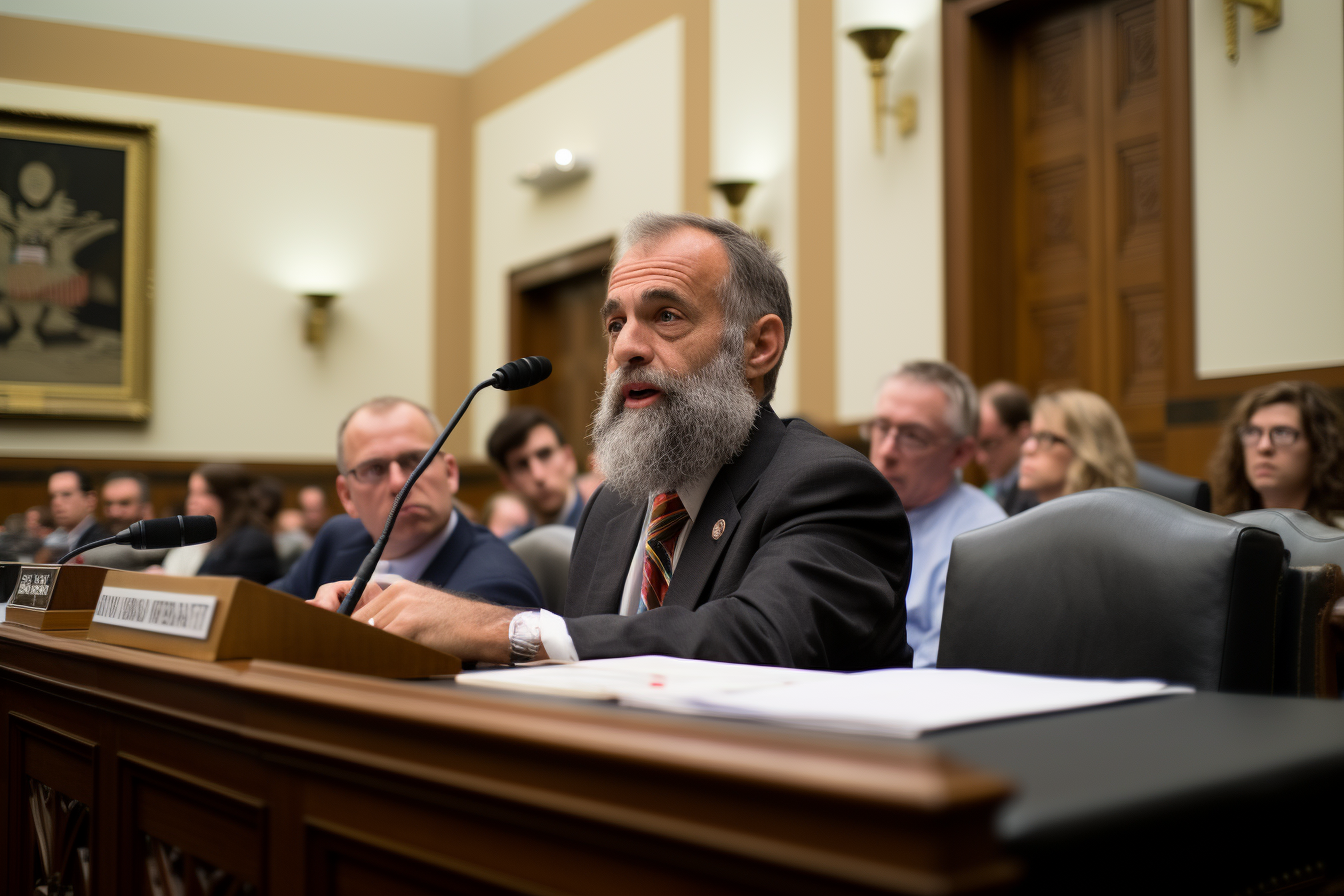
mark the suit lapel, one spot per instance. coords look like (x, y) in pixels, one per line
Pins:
(445, 562)
(620, 535)
(730, 488)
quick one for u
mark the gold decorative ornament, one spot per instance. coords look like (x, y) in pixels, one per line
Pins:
(1265, 14)
(315, 326)
(876, 45)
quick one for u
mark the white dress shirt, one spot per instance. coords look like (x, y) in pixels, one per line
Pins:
(555, 633)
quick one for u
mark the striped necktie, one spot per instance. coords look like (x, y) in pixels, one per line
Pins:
(665, 524)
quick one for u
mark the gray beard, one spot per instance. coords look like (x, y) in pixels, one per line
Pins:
(700, 422)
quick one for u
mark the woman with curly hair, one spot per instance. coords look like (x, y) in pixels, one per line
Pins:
(1282, 446)
(1077, 442)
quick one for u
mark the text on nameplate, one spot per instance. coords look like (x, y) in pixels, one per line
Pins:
(184, 615)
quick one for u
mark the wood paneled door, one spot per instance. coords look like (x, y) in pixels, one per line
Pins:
(1062, 227)
(554, 311)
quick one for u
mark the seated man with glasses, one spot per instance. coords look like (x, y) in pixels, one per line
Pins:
(377, 446)
(922, 433)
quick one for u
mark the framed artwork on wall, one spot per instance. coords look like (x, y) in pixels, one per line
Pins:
(75, 275)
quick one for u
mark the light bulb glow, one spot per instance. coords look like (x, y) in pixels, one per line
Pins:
(564, 159)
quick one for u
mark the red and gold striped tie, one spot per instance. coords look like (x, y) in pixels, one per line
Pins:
(665, 524)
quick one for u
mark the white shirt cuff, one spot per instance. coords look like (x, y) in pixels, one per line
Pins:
(555, 638)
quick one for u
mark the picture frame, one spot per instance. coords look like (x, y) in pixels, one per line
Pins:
(75, 267)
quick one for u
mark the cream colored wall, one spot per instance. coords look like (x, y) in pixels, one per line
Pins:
(754, 104)
(1269, 191)
(253, 207)
(621, 110)
(889, 207)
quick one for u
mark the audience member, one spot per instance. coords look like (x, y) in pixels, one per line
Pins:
(377, 446)
(73, 501)
(38, 521)
(243, 545)
(504, 512)
(722, 532)
(922, 434)
(16, 544)
(1076, 443)
(126, 500)
(1282, 446)
(313, 506)
(1005, 423)
(537, 465)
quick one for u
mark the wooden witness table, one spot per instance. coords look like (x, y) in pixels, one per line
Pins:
(271, 778)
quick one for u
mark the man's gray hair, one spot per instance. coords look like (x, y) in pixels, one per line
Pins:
(963, 406)
(755, 285)
(380, 405)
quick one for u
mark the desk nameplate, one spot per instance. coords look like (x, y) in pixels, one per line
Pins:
(164, 612)
(55, 598)
(35, 587)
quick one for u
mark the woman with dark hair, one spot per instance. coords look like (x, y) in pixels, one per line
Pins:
(243, 546)
(1283, 447)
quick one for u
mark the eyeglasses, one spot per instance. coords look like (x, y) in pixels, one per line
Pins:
(910, 437)
(375, 470)
(1279, 436)
(1045, 440)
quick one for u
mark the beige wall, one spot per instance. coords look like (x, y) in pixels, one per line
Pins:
(254, 207)
(622, 111)
(889, 207)
(1269, 191)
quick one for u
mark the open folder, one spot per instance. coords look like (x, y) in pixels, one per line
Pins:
(892, 702)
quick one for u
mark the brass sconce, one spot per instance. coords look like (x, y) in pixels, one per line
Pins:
(876, 44)
(315, 326)
(1266, 14)
(734, 192)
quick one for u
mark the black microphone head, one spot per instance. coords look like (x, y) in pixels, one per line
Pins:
(522, 373)
(170, 532)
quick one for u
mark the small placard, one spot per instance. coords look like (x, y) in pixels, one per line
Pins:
(168, 613)
(34, 588)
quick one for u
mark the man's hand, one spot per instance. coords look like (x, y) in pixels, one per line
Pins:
(468, 629)
(329, 596)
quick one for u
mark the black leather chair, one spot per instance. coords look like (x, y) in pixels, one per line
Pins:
(1116, 583)
(1186, 489)
(1311, 588)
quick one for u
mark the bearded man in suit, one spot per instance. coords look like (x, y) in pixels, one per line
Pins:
(722, 532)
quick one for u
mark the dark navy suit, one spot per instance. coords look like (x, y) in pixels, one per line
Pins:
(472, 561)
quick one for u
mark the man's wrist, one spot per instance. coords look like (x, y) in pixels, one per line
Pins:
(524, 637)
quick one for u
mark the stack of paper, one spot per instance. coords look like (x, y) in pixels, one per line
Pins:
(629, 677)
(907, 702)
(893, 702)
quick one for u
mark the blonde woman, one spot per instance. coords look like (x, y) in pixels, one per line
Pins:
(1077, 442)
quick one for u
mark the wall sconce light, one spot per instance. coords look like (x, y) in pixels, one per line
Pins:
(1267, 14)
(563, 169)
(315, 325)
(876, 44)
(734, 193)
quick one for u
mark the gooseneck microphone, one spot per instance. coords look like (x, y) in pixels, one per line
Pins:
(512, 376)
(149, 535)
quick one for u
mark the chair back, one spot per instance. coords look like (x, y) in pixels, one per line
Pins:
(1309, 644)
(1186, 489)
(1116, 583)
(545, 552)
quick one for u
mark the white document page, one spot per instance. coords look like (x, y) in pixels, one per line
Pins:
(907, 702)
(613, 679)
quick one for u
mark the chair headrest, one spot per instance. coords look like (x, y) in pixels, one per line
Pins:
(1309, 541)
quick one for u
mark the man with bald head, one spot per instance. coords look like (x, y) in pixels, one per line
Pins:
(722, 532)
(377, 446)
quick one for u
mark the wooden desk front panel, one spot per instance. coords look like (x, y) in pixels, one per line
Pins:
(277, 779)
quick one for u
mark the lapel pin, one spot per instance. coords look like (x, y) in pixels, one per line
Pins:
(718, 529)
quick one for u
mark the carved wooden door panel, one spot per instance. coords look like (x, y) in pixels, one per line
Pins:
(1088, 219)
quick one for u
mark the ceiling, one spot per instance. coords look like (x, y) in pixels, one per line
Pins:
(454, 36)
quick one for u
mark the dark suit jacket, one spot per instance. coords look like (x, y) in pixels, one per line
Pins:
(248, 553)
(96, 532)
(571, 520)
(473, 561)
(810, 569)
